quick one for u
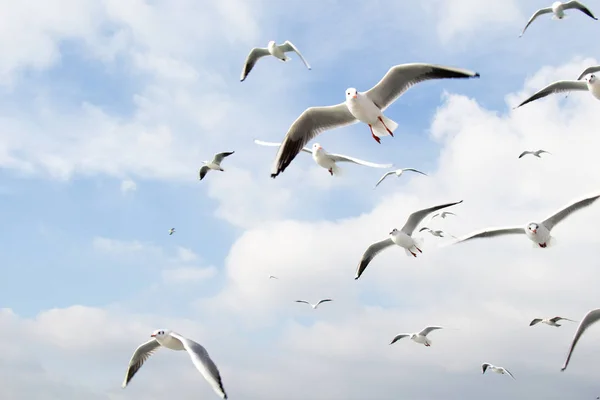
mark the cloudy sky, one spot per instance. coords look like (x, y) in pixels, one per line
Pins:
(107, 109)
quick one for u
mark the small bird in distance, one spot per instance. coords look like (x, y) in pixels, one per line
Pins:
(215, 164)
(498, 370)
(273, 49)
(418, 337)
(171, 231)
(314, 306)
(437, 233)
(398, 173)
(549, 321)
(534, 153)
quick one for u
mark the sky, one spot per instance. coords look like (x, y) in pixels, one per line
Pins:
(107, 110)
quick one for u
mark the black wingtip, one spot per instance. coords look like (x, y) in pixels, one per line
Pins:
(476, 75)
(356, 278)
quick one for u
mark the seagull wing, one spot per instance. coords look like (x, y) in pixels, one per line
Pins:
(343, 158)
(573, 4)
(398, 337)
(220, 156)
(275, 144)
(384, 176)
(589, 70)
(370, 253)
(536, 14)
(556, 319)
(203, 171)
(485, 366)
(203, 363)
(557, 87)
(424, 229)
(415, 218)
(590, 318)
(255, 54)
(303, 301)
(426, 331)
(525, 153)
(537, 153)
(535, 321)
(414, 170)
(551, 221)
(401, 77)
(140, 355)
(288, 46)
(324, 301)
(508, 372)
(491, 232)
(309, 124)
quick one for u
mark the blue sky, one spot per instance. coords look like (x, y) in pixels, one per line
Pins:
(105, 92)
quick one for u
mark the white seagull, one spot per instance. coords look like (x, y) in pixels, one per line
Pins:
(402, 238)
(590, 318)
(314, 306)
(273, 277)
(549, 321)
(589, 70)
(277, 51)
(328, 160)
(591, 85)
(498, 370)
(419, 337)
(398, 173)
(437, 233)
(175, 341)
(215, 164)
(443, 214)
(171, 231)
(366, 107)
(537, 232)
(558, 9)
(534, 153)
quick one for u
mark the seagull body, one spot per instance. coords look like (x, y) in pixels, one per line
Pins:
(589, 70)
(443, 214)
(498, 370)
(273, 49)
(273, 277)
(171, 231)
(534, 153)
(418, 337)
(367, 107)
(215, 164)
(175, 341)
(314, 306)
(590, 318)
(591, 85)
(537, 232)
(402, 238)
(558, 9)
(437, 233)
(398, 173)
(329, 160)
(549, 321)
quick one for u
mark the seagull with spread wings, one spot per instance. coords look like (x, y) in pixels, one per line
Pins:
(418, 337)
(215, 164)
(558, 9)
(314, 306)
(273, 49)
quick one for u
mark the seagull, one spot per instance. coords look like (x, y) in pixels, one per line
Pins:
(273, 277)
(328, 160)
(437, 233)
(550, 321)
(398, 173)
(175, 341)
(402, 238)
(314, 306)
(537, 232)
(558, 9)
(498, 370)
(589, 70)
(366, 107)
(591, 85)
(277, 51)
(535, 153)
(590, 318)
(171, 231)
(443, 214)
(215, 164)
(419, 337)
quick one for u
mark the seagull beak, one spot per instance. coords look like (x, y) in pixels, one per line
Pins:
(534, 231)
(355, 96)
(153, 335)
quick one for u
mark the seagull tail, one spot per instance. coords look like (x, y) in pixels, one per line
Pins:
(551, 242)
(337, 171)
(380, 129)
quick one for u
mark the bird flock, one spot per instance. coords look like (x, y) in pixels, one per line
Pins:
(368, 107)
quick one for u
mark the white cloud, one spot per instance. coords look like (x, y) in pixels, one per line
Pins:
(128, 185)
(188, 274)
(185, 255)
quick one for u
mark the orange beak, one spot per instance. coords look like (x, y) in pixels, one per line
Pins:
(534, 231)
(153, 335)
(355, 96)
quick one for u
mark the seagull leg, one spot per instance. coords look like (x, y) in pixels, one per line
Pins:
(330, 171)
(414, 255)
(542, 245)
(418, 249)
(372, 134)
(385, 126)
(427, 345)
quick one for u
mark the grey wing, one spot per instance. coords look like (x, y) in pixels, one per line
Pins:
(425, 229)
(275, 144)
(524, 153)
(556, 319)
(485, 366)
(551, 221)
(589, 70)
(426, 331)
(140, 355)
(590, 318)
(556, 87)
(401, 77)
(384, 176)
(302, 301)
(536, 14)
(220, 156)
(324, 301)
(578, 6)
(288, 46)
(415, 218)
(535, 321)
(414, 170)
(309, 124)
(491, 232)
(252, 58)
(398, 337)
(370, 253)
(203, 363)
(508, 372)
(542, 152)
(203, 171)
(342, 158)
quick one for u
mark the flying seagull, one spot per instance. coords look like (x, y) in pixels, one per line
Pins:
(437, 233)
(314, 306)
(273, 277)
(419, 337)
(549, 321)
(366, 107)
(537, 232)
(402, 238)
(498, 370)
(590, 318)
(589, 70)
(558, 9)
(215, 164)
(328, 160)
(175, 341)
(277, 51)
(590, 85)
(398, 173)
(443, 214)
(171, 231)
(535, 153)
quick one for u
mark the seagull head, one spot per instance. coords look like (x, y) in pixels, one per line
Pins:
(351, 93)
(592, 79)
(271, 43)
(533, 227)
(159, 334)
(317, 147)
(393, 231)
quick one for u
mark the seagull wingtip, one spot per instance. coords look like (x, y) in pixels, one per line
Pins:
(476, 75)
